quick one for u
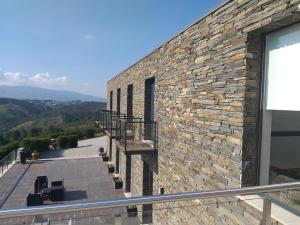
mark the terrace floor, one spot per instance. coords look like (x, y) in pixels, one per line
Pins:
(85, 179)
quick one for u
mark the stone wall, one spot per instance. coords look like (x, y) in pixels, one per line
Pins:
(207, 96)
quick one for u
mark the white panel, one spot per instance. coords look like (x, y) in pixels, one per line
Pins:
(283, 69)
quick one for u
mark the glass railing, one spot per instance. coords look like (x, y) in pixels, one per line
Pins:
(135, 134)
(7, 161)
(103, 118)
(251, 205)
(112, 124)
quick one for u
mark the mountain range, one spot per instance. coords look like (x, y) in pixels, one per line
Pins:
(36, 93)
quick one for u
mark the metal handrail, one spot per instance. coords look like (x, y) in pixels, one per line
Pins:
(10, 158)
(143, 200)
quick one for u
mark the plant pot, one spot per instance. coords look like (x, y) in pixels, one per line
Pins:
(132, 211)
(105, 158)
(34, 156)
(118, 182)
(111, 169)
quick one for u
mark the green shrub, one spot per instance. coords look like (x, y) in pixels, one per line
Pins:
(77, 133)
(39, 144)
(72, 141)
(62, 141)
(6, 149)
(90, 133)
(68, 141)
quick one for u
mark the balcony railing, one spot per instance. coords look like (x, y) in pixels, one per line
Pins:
(112, 124)
(136, 136)
(7, 161)
(163, 205)
(102, 118)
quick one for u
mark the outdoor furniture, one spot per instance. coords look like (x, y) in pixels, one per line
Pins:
(57, 183)
(131, 211)
(57, 193)
(40, 183)
(118, 182)
(45, 193)
(34, 200)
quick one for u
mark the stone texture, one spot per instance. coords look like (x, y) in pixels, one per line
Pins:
(207, 95)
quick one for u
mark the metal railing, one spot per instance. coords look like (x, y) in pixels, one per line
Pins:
(7, 161)
(102, 118)
(135, 130)
(146, 200)
(111, 121)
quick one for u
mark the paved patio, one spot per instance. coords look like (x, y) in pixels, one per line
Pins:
(85, 178)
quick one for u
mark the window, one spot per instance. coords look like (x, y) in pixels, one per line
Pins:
(280, 140)
(119, 101)
(129, 100)
(111, 100)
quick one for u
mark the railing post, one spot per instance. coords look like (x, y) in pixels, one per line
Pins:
(267, 211)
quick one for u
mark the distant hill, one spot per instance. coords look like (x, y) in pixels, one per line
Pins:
(14, 113)
(35, 93)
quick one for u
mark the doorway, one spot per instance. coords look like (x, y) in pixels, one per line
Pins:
(147, 190)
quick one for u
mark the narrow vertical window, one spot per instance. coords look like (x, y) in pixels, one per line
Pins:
(129, 100)
(119, 101)
(111, 100)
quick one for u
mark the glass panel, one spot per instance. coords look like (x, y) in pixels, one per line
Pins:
(285, 154)
(283, 53)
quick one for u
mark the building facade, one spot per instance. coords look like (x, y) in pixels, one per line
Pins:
(210, 90)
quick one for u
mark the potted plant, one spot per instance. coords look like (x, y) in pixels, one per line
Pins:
(110, 168)
(101, 151)
(105, 158)
(131, 211)
(35, 154)
(118, 182)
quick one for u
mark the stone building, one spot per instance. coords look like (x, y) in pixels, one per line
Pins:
(224, 97)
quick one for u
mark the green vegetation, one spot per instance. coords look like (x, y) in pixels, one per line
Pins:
(34, 121)
(6, 149)
(70, 141)
(38, 144)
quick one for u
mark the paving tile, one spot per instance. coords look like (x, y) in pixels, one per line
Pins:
(85, 178)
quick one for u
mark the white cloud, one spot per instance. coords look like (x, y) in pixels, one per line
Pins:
(14, 77)
(39, 79)
(46, 78)
(89, 37)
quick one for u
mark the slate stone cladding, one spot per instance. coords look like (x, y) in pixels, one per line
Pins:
(207, 107)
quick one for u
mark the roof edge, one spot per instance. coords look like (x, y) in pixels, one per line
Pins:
(220, 5)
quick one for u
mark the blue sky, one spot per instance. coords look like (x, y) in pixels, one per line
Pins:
(80, 44)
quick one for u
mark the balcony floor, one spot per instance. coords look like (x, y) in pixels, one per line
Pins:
(136, 147)
(85, 178)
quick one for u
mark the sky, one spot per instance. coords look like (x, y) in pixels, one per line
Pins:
(79, 45)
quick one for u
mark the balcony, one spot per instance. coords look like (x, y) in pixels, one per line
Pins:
(102, 118)
(134, 136)
(111, 123)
